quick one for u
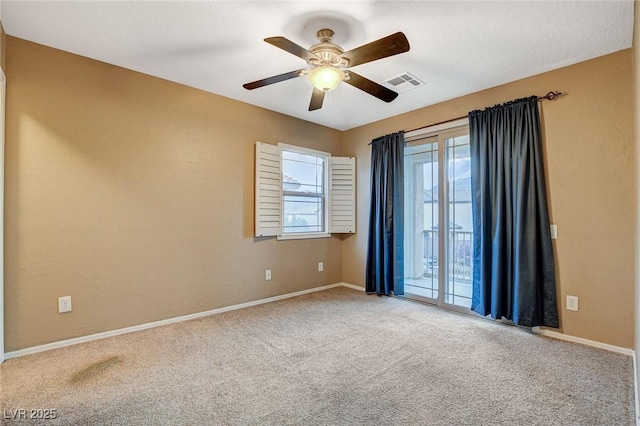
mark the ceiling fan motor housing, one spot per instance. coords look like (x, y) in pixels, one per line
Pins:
(328, 52)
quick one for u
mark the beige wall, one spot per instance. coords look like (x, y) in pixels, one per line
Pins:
(590, 158)
(134, 195)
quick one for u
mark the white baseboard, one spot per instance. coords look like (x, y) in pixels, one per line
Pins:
(355, 287)
(635, 388)
(580, 340)
(103, 335)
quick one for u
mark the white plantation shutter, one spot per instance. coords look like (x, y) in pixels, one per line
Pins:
(268, 204)
(342, 194)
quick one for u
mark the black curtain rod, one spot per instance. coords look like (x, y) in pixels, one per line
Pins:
(551, 96)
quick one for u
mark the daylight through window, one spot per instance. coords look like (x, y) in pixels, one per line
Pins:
(303, 192)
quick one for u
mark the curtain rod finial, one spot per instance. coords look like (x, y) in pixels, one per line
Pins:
(553, 95)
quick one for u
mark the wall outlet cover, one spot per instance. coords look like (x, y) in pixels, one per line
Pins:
(64, 304)
(572, 303)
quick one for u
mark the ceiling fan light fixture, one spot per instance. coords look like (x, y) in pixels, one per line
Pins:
(325, 77)
(328, 65)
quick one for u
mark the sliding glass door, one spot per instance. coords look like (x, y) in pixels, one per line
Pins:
(438, 222)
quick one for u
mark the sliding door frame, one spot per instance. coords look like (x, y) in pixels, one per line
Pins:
(440, 134)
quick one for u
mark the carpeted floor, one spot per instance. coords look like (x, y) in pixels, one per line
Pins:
(336, 357)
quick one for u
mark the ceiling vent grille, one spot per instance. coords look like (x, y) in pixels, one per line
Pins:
(403, 82)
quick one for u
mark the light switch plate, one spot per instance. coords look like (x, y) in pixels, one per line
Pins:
(554, 231)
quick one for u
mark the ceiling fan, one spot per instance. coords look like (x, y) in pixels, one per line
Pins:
(328, 65)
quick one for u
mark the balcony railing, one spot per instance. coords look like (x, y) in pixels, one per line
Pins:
(460, 247)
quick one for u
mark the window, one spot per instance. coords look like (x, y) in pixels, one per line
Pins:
(303, 193)
(303, 190)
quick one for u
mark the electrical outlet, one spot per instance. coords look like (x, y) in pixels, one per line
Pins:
(320, 266)
(267, 275)
(64, 304)
(554, 231)
(572, 303)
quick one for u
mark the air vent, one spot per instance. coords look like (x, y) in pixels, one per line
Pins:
(403, 82)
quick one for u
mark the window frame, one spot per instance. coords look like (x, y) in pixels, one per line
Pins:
(325, 197)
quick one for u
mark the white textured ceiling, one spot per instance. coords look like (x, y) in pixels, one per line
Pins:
(457, 47)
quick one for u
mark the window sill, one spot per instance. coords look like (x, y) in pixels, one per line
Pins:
(304, 236)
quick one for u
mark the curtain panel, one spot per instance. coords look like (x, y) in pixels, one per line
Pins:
(385, 264)
(513, 275)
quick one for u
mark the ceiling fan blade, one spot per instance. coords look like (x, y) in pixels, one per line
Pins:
(291, 47)
(371, 87)
(385, 47)
(316, 99)
(271, 80)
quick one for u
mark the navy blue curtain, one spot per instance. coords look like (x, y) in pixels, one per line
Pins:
(513, 275)
(385, 267)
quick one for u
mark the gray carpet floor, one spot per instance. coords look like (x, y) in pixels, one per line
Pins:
(336, 357)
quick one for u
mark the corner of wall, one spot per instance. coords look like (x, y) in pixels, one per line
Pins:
(3, 50)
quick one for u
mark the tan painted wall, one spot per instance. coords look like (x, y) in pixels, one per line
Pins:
(590, 159)
(134, 195)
